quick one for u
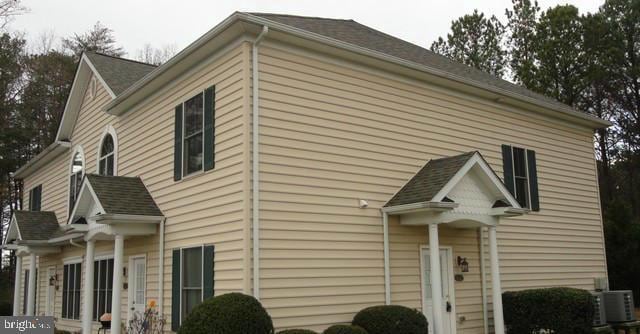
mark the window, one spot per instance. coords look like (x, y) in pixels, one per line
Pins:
(520, 175)
(106, 161)
(194, 148)
(72, 276)
(75, 178)
(102, 287)
(193, 130)
(192, 280)
(35, 198)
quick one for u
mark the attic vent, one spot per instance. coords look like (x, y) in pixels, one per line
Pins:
(93, 88)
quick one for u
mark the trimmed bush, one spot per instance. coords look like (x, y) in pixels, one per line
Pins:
(391, 319)
(344, 329)
(296, 331)
(561, 310)
(228, 314)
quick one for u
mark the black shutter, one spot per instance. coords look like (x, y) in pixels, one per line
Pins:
(37, 198)
(207, 272)
(507, 166)
(533, 180)
(177, 145)
(175, 291)
(209, 127)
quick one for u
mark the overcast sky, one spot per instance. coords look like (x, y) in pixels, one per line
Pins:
(180, 22)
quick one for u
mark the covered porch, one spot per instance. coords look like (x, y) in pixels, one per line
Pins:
(462, 199)
(108, 208)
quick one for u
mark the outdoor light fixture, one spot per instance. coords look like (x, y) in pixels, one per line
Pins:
(53, 281)
(463, 264)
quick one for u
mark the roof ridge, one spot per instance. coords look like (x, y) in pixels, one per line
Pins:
(297, 16)
(120, 176)
(121, 58)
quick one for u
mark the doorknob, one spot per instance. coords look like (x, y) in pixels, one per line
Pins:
(448, 307)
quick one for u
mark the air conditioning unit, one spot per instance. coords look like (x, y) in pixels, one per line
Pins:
(599, 316)
(618, 306)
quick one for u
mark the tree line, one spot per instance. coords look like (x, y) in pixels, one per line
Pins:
(588, 61)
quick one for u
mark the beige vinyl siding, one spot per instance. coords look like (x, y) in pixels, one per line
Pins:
(204, 208)
(333, 132)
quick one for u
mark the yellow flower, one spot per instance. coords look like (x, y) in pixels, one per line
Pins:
(152, 303)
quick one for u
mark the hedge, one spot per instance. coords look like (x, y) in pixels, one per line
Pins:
(344, 329)
(228, 314)
(391, 319)
(297, 331)
(560, 310)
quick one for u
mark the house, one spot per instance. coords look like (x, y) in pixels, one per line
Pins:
(317, 164)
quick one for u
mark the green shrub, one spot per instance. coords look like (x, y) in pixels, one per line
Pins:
(296, 331)
(391, 319)
(344, 329)
(228, 314)
(561, 310)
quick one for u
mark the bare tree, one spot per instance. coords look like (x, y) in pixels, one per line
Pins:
(156, 56)
(10, 9)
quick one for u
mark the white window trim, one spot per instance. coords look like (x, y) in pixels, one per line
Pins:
(182, 272)
(130, 283)
(108, 130)
(182, 141)
(76, 149)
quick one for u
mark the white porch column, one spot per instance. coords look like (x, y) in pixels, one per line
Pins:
(16, 289)
(87, 313)
(31, 292)
(498, 318)
(436, 284)
(116, 294)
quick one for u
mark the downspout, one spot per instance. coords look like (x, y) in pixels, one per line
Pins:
(161, 269)
(255, 155)
(485, 311)
(387, 275)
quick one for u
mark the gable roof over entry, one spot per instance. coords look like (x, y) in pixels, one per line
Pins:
(430, 186)
(103, 196)
(33, 226)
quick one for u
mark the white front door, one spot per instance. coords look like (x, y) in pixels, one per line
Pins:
(138, 272)
(448, 298)
(51, 292)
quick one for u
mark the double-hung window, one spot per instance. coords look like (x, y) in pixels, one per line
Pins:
(72, 276)
(520, 175)
(35, 198)
(195, 134)
(102, 287)
(192, 280)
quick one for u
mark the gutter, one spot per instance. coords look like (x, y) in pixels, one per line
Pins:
(387, 269)
(45, 156)
(256, 163)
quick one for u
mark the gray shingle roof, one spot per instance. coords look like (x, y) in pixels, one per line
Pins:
(352, 32)
(429, 180)
(118, 73)
(123, 195)
(37, 225)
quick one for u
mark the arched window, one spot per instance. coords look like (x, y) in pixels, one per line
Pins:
(106, 161)
(75, 177)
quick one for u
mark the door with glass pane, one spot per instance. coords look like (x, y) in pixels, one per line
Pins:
(138, 279)
(448, 299)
